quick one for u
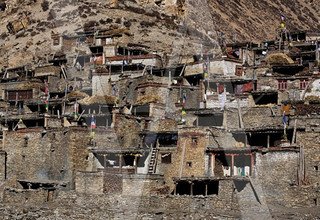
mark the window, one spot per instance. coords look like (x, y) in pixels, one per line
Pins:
(189, 164)
(194, 140)
(282, 85)
(316, 168)
(303, 84)
(166, 158)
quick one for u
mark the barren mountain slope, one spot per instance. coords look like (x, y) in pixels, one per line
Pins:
(171, 29)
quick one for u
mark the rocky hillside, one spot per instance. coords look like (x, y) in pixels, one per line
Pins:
(171, 27)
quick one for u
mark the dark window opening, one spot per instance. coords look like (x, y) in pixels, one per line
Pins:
(142, 110)
(96, 50)
(34, 123)
(101, 120)
(168, 139)
(128, 160)
(189, 164)
(264, 99)
(199, 188)
(125, 51)
(26, 141)
(261, 139)
(213, 188)
(316, 168)
(210, 120)
(183, 188)
(194, 80)
(117, 69)
(194, 140)
(166, 158)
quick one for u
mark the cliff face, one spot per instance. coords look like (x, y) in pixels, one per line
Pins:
(259, 19)
(168, 26)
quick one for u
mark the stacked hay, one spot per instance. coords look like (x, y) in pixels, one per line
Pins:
(108, 100)
(279, 59)
(147, 99)
(77, 95)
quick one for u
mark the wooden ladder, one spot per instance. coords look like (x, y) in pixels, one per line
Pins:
(153, 161)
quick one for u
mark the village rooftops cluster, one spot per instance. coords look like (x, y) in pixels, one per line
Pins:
(110, 111)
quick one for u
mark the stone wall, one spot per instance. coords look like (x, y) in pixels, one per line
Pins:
(189, 157)
(46, 154)
(78, 141)
(260, 117)
(26, 196)
(310, 142)
(276, 173)
(142, 185)
(2, 165)
(89, 182)
(115, 184)
(36, 154)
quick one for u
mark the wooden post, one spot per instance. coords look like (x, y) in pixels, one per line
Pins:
(135, 164)
(175, 188)
(268, 141)
(120, 163)
(104, 162)
(191, 188)
(252, 164)
(294, 132)
(206, 190)
(232, 165)
(240, 114)
(213, 158)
